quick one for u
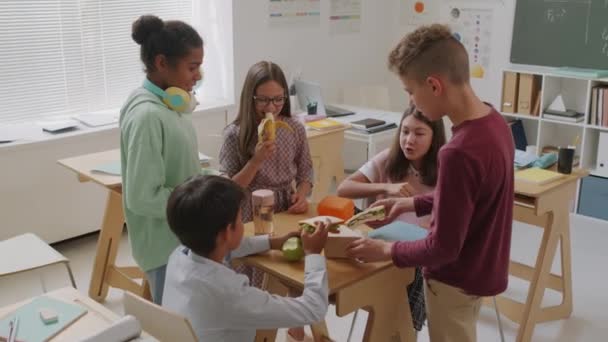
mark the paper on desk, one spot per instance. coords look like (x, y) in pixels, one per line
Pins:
(111, 168)
(57, 125)
(98, 119)
(523, 159)
(203, 157)
(22, 131)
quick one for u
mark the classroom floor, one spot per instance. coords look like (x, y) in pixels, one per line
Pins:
(588, 321)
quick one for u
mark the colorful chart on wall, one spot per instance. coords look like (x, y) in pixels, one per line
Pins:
(419, 12)
(473, 27)
(302, 13)
(345, 16)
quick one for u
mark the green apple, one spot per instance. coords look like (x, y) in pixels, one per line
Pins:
(292, 249)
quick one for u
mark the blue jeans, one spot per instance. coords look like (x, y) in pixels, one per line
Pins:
(156, 278)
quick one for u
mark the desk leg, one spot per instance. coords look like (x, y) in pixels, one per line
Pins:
(337, 161)
(320, 332)
(544, 260)
(566, 264)
(326, 154)
(274, 286)
(384, 296)
(107, 245)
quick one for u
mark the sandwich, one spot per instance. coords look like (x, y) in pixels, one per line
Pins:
(368, 215)
(309, 224)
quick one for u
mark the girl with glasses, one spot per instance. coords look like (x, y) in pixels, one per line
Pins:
(283, 165)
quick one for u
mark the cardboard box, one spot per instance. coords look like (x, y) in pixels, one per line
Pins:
(510, 84)
(337, 243)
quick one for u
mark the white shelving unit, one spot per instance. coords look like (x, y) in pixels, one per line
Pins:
(542, 132)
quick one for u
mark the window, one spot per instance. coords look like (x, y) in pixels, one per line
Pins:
(213, 20)
(66, 57)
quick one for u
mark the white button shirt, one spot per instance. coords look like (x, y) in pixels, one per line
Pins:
(221, 305)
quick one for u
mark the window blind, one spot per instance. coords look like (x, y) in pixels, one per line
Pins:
(66, 57)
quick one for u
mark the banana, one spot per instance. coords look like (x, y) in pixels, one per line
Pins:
(267, 130)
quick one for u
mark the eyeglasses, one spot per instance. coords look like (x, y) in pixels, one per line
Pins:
(265, 101)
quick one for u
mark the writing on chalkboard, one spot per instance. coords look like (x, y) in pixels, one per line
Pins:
(556, 14)
(561, 33)
(605, 39)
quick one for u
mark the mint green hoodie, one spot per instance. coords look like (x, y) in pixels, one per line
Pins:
(158, 151)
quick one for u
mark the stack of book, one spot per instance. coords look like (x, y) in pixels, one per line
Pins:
(372, 125)
(599, 106)
(563, 115)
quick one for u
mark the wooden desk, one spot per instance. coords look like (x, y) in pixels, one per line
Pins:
(548, 207)
(379, 288)
(326, 153)
(105, 272)
(96, 319)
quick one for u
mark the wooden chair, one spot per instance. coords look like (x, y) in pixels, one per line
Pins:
(158, 322)
(28, 252)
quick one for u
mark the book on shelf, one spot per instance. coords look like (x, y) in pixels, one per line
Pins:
(519, 134)
(536, 108)
(594, 99)
(598, 115)
(565, 118)
(567, 112)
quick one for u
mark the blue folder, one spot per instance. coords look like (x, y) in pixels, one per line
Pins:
(399, 231)
(31, 328)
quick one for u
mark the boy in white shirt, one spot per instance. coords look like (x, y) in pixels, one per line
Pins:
(204, 213)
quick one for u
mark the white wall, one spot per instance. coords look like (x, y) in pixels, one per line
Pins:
(38, 195)
(354, 59)
(488, 88)
(334, 61)
(214, 23)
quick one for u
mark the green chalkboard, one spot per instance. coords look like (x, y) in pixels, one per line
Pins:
(561, 33)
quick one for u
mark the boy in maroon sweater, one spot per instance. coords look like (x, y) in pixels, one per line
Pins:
(466, 254)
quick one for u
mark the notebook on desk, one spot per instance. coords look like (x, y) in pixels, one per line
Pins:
(367, 123)
(380, 128)
(537, 176)
(324, 124)
(32, 328)
(110, 168)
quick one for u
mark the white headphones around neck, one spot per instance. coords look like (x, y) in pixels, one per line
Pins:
(175, 98)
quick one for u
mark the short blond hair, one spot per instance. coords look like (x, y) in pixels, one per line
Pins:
(429, 50)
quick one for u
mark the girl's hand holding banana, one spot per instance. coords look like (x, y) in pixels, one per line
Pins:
(263, 150)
